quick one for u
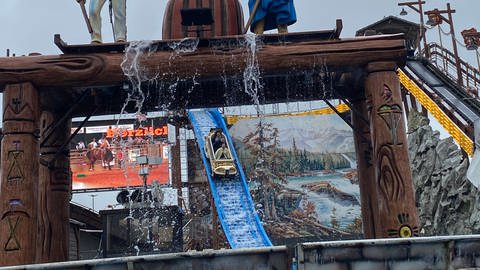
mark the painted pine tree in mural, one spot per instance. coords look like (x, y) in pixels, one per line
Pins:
(263, 145)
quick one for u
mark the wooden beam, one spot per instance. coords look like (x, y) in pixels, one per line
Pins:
(218, 57)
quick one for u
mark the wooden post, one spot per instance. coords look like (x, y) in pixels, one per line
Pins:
(396, 213)
(54, 190)
(176, 166)
(365, 169)
(19, 185)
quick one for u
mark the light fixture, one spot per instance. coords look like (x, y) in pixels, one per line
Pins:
(430, 22)
(471, 38)
(434, 17)
(403, 12)
(472, 46)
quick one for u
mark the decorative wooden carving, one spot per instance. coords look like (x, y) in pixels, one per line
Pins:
(18, 193)
(44, 70)
(365, 168)
(396, 213)
(54, 191)
(219, 56)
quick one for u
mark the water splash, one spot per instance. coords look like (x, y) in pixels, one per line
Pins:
(326, 81)
(185, 45)
(251, 75)
(139, 76)
(136, 73)
(137, 250)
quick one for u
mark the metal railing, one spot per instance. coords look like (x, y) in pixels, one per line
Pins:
(444, 60)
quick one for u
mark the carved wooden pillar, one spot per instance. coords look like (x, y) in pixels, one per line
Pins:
(19, 182)
(54, 190)
(365, 169)
(396, 213)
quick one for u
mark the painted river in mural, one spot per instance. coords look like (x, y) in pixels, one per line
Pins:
(332, 194)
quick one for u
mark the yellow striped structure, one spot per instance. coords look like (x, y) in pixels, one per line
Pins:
(232, 119)
(458, 135)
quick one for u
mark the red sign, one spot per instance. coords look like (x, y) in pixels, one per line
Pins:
(141, 132)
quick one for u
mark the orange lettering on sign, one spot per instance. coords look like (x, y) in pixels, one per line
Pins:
(141, 132)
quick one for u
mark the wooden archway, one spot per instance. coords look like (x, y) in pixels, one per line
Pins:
(38, 90)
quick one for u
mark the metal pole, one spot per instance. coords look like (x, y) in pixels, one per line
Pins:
(422, 30)
(444, 53)
(422, 25)
(85, 16)
(93, 200)
(454, 41)
(478, 59)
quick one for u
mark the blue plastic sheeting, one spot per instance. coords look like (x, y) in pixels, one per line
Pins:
(234, 204)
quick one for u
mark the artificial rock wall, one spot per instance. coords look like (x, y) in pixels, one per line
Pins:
(447, 202)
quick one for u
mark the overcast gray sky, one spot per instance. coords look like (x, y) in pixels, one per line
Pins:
(29, 25)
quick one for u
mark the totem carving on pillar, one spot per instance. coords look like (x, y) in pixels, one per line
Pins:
(365, 168)
(54, 189)
(396, 213)
(18, 191)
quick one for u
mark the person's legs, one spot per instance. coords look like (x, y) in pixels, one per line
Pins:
(259, 27)
(95, 9)
(120, 22)
(282, 28)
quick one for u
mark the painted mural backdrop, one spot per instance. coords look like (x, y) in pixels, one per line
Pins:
(302, 175)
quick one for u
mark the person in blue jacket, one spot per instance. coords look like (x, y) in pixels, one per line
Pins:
(272, 14)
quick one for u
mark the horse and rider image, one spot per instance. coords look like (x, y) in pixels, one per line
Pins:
(102, 153)
(105, 155)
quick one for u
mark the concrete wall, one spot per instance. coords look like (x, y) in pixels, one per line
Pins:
(239, 259)
(453, 252)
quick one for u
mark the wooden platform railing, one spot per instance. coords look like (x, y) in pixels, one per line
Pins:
(444, 60)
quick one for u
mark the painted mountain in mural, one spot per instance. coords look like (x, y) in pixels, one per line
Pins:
(318, 133)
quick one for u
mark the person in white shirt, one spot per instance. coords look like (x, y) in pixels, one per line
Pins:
(223, 152)
(93, 144)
